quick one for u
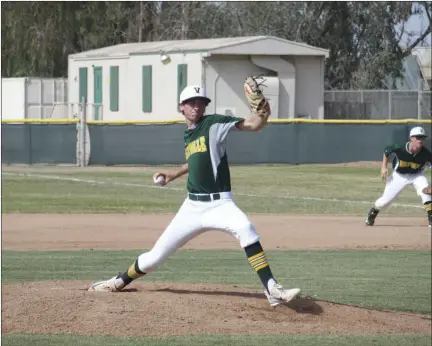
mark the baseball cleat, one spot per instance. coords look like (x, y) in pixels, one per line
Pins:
(105, 286)
(370, 220)
(273, 301)
(279, 295)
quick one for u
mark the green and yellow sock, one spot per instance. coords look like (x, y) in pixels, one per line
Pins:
(258, 261)
(131, 274)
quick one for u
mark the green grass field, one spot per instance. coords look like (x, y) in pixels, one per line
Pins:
(398, 280)
(367, 278)
(305, 189)
(220, 340)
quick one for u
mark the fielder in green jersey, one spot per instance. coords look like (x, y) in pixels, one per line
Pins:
(209, 204)
(409, 162)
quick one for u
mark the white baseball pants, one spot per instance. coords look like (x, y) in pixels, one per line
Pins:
(397, 182)
(195, 218)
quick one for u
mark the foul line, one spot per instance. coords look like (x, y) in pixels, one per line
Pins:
(99, 182)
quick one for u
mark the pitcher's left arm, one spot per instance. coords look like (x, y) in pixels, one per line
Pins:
(259, 106)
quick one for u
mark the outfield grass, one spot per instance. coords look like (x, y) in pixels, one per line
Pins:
(304, 189)
(238, 340)
(393, 280)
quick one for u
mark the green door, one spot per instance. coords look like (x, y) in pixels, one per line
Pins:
(82, 85)
(98, 91)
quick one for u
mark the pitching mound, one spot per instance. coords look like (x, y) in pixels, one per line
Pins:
(162, 309)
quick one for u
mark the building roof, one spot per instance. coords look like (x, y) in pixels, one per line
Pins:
(229, 45)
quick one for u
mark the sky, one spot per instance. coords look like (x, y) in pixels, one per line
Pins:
(418, 23)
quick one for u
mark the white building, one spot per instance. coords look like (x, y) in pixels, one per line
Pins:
(142, 81)
(35, 98)
(424, 56)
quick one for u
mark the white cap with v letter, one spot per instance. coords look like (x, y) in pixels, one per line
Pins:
(193, 91)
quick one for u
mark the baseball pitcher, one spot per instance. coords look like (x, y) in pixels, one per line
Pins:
(409, 162)
(209, 203)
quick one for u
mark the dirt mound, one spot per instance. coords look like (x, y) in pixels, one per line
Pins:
(162, 309)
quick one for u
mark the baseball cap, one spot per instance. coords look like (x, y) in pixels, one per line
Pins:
(418, 131)
(193, 91)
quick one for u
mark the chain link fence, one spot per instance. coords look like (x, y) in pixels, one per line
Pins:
(46, 98)
(377, 104)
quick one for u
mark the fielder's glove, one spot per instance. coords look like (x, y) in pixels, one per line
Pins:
(254, 96)
(427, 190)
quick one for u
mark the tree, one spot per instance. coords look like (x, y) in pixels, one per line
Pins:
(364, 38)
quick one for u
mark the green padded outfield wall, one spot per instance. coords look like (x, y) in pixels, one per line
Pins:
(39, 143)
(336, 143)
(136, 144)
(292, 143)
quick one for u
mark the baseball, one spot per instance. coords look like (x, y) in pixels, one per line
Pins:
(159, 180)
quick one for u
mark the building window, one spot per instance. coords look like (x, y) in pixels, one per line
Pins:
(147, 89)
(82, 84)
(114, 88)
(181, 80)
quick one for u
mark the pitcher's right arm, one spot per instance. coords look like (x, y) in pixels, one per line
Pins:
(170, 176)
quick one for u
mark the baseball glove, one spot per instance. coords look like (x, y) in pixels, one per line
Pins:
(254, 96)
(428, 190)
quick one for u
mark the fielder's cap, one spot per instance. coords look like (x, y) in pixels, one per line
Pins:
(193, 91)
(418, 131)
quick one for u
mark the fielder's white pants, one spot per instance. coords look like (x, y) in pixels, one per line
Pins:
(194, 218)
(397, 182)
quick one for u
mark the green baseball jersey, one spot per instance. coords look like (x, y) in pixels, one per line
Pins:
(206, 154)
(404, 161)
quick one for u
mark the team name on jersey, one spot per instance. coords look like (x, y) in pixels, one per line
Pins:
(197, 146)
(405, 164)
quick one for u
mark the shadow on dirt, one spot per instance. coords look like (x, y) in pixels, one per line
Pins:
(390, 225)
(304, 305)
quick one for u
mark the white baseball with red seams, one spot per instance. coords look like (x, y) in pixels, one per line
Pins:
(159, 180)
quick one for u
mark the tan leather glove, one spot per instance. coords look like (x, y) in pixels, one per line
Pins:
(254, 96)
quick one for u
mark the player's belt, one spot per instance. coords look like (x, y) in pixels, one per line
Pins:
(204, 198)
